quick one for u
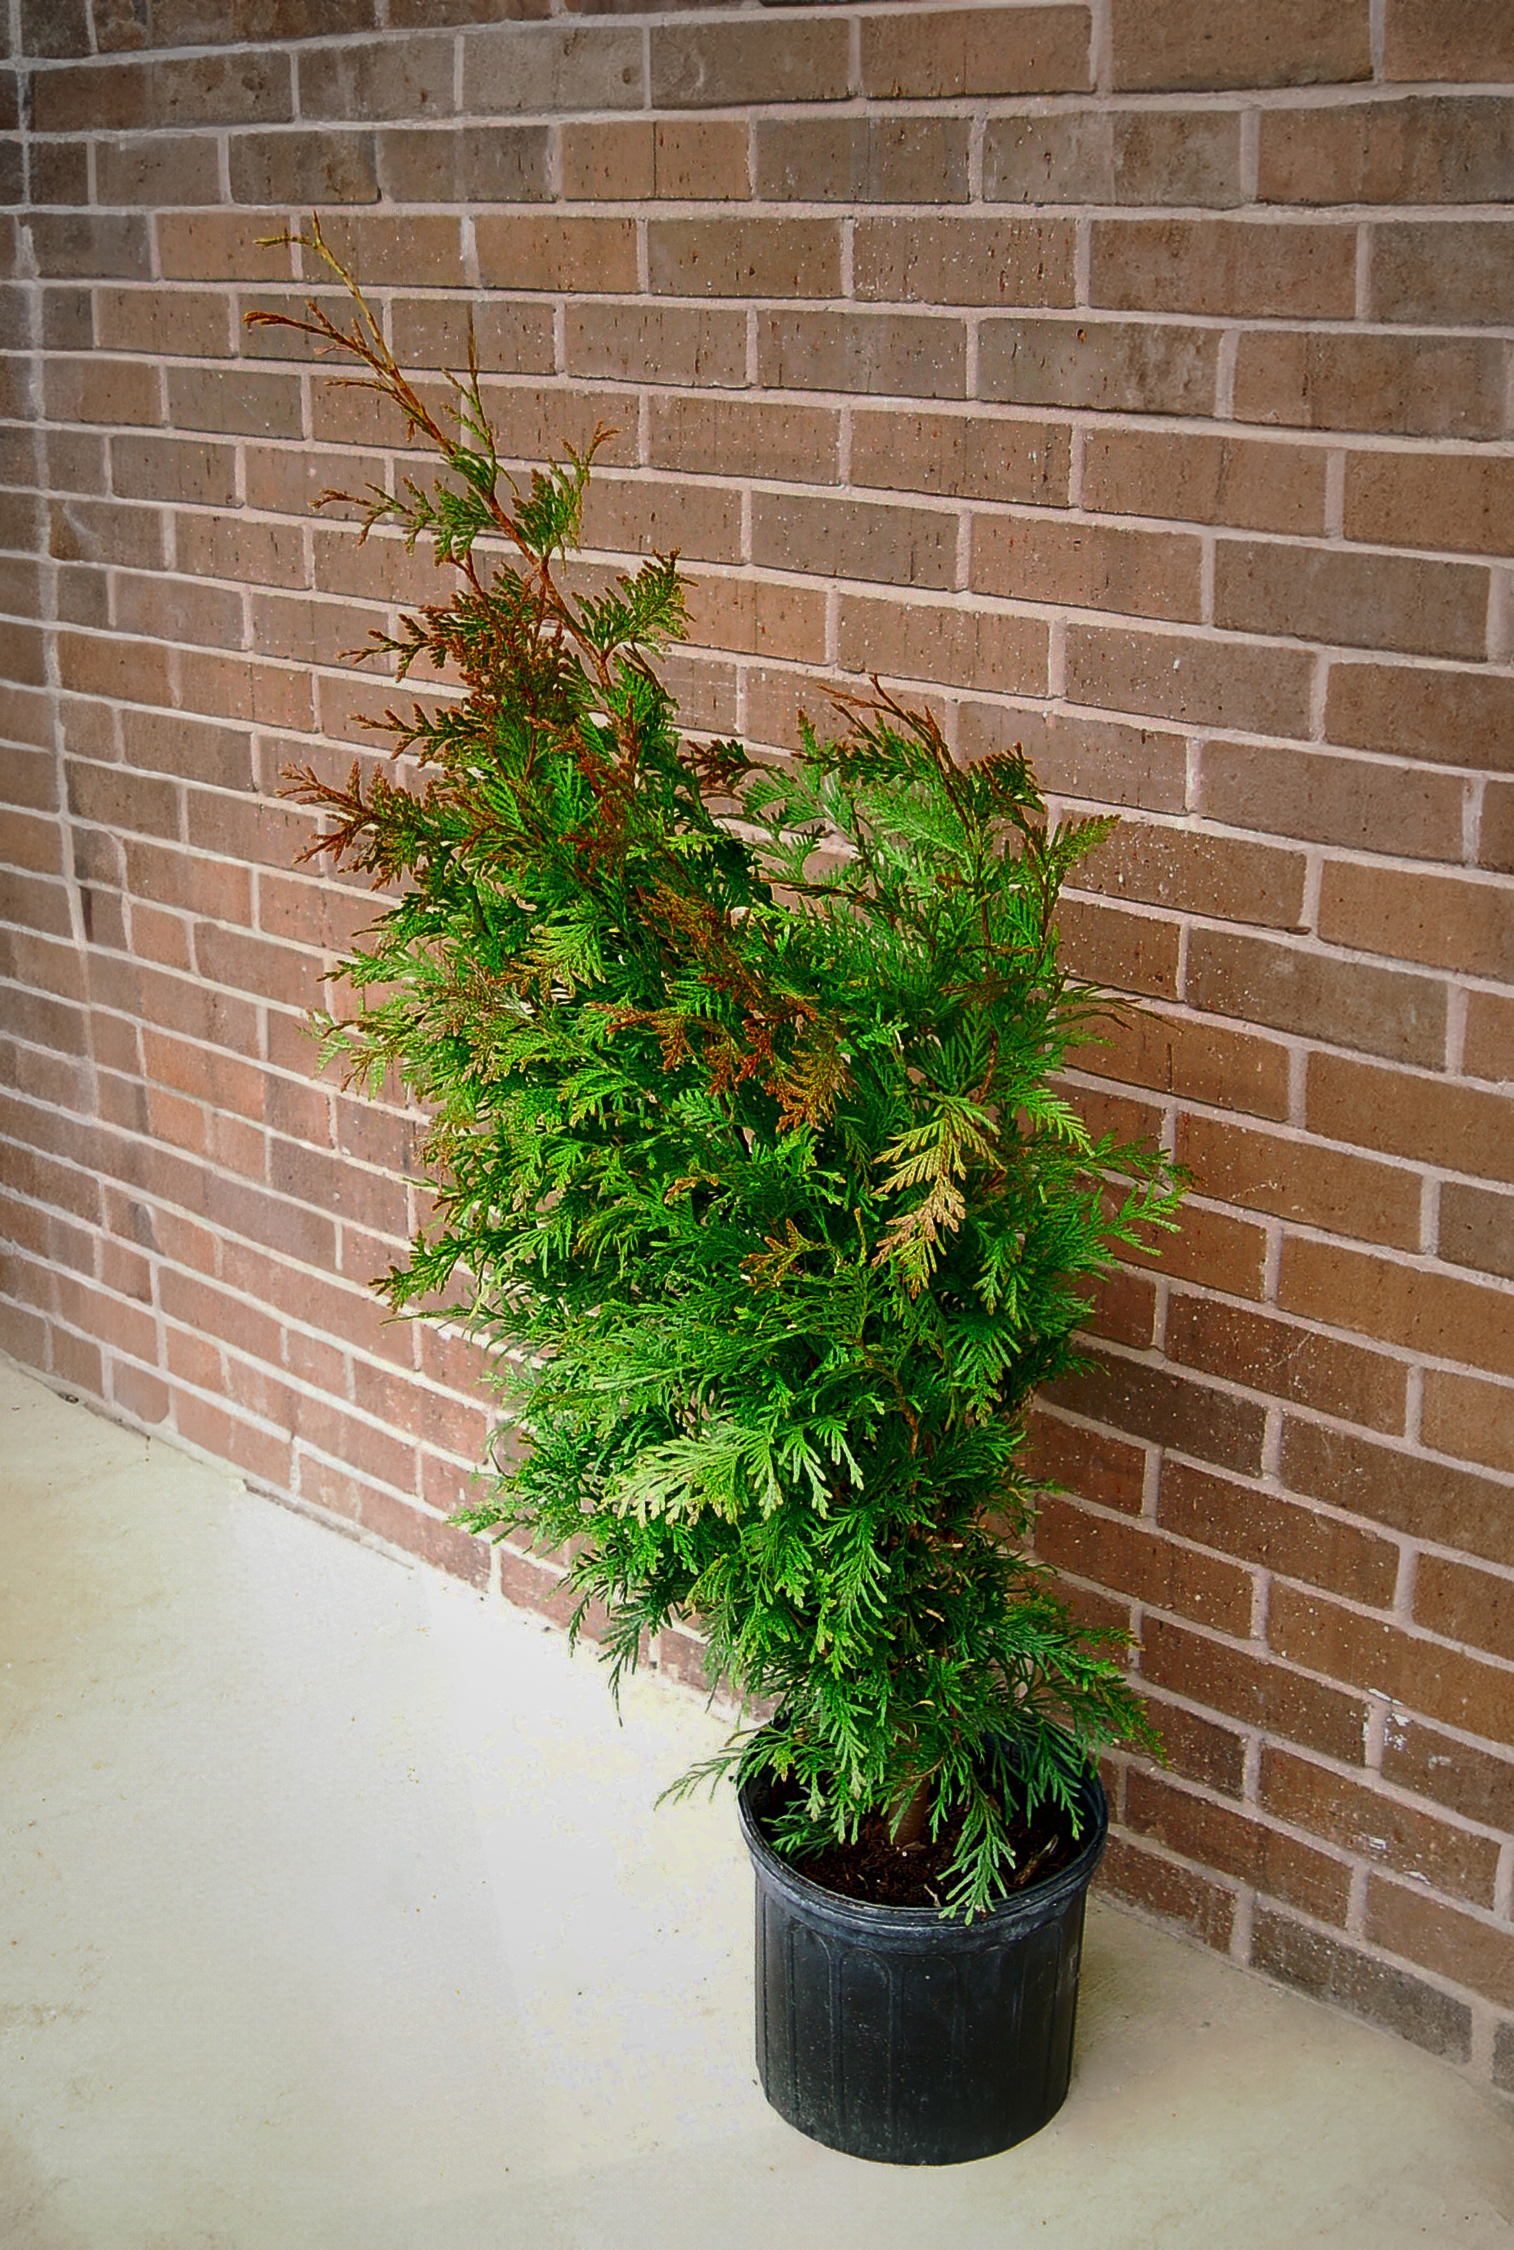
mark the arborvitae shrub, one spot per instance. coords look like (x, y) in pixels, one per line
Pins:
(740, 1080)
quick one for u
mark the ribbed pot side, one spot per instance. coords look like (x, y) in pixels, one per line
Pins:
(891, 2034)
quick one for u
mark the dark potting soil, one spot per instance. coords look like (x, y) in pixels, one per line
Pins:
(884, 1873)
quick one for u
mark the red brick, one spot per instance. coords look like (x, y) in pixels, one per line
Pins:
(1193, 45)
(1462, 1604)
(1445, 717)
(681, 1657)
(1075, 756)
(1170, 1892)
(33, 844)
(1298, 1179)
(1238, 1845)
(774, 701)
(1415, 386)
(961, 456)
(1457, 501)
(29, 778)
(323, 167)
(264, 1455)
(667, 343)
(1475, 1954)
(1112, 366)
(1135, 953)
(722, 257)
(904, 354)
(543, 67)
(223, 246)
(1488, 1042)
(512, 337)
(954, 52)
(1277, 1535)
(104, 532)
(1471, 1782)
(1042, 558)
(1196, 1749)
(399, 78)
(1442, 272)
(376, 569)
(158, 172)
(91, 246)
(951, 261)
(121, 391)
(1287, 1362)
(716, 65)
(248, 401)
(1424, 1499)
(639, 516)
(464, 164)
(1338, 1974)
(1362, 601)
(534, 423)
(36, 902)
(593, 255)
(172, 468)
(1373, 1826)
(757, 617)
(1495, 843)
(1120, 1308)
(745, 438)
(78, 1362)
(1129, 1558)
(1119, 156)
(1195, 682)
(1477, 1229)
(311, 632)
(937, 641)
(1436, 1314)
(1425, 149)
(1449, 921)
(861, 159)
(63, 1186)
(1196, 1060)
(1145, 1401)
(532, 1584)
(1255, 484)
(854, 539)
(1448, 39)
(1351, 801)
(178, 609)
(26, 1336)
(443, 1545)
(122, 800)
(429, 1416)
(1087, 1462)
(214, 546)
(1195, 872)
(1468, 1418)
(678, 158)
(1301, 990)
(1212, 1248)
(1438, 1682)
(610, 163)
(1224, 266)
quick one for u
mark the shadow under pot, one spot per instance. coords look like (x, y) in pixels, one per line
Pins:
(891, 2034)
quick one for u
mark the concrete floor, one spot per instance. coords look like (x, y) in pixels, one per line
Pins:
(337, 1917)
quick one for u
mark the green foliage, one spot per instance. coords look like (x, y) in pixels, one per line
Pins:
(738, 1075)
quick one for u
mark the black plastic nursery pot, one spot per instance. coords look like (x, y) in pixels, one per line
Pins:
(889, 2033)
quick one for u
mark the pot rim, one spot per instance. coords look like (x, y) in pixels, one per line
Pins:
(921, 1924)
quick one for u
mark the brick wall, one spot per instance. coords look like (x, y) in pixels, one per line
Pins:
(1132, 379)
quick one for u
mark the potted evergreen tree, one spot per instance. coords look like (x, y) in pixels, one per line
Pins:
(740, 1078)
